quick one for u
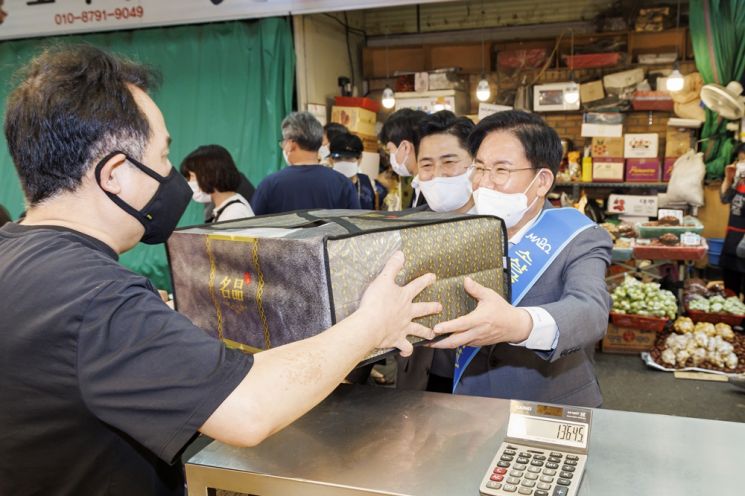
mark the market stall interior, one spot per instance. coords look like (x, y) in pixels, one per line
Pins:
(646, 101)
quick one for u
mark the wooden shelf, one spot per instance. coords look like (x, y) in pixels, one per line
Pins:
(624, 185)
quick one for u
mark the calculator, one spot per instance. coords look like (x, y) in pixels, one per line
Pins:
(543, 454)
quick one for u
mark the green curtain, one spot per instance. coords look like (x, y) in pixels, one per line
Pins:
(228, 83)
(718, 36)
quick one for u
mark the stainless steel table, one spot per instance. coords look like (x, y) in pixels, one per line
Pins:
(366, 440)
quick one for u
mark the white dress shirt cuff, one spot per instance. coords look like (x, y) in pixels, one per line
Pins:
(545, 333)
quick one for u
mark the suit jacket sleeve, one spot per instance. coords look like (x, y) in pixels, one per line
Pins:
(581, 313)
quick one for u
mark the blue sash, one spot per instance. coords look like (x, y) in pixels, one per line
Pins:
(529, 259)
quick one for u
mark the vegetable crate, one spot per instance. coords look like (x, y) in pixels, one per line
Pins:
(644, 323)
(715, 318)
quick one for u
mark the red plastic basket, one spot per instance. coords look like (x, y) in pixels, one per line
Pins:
(656, 324)
(592, 60)
(715, 318)
(661, 252)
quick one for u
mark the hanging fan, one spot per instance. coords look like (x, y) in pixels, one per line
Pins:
(727, 102)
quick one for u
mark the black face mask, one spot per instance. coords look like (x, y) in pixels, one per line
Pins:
(163, 211)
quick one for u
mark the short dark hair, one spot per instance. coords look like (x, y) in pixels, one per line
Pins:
(334, 129)
(402, 125)
(71, 107)
(4, 214)
(541, 143)
(738, 150)
(346, 146)
(214, 167)
(446, 122)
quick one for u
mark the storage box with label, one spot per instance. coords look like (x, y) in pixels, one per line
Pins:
(642, 170)
(634, 205)
(620, 80)
(643, 145)
(445, 80)
(606, 147)
(591, 92)
(677, 141)
(356, 119)
(265, 281)
(628, 340)
(607, 170)
(432, 101)
(652, 100)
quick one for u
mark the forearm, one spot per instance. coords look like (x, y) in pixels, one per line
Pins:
(286, 382)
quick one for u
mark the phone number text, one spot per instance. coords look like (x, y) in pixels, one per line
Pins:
(88, 16)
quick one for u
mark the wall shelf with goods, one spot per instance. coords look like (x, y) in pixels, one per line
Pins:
(601, 190)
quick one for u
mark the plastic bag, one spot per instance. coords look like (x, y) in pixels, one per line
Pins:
(687, 180)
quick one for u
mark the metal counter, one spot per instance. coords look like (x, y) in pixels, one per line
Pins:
(366, 440)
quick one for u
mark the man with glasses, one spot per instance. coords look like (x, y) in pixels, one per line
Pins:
(540, 345)
(305, 184)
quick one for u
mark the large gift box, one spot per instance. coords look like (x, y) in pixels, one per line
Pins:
(266, 281)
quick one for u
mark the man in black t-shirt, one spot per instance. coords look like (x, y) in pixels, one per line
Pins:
(101, 384)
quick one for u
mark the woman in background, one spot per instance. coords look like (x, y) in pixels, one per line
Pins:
(732, 260)
(213, 177)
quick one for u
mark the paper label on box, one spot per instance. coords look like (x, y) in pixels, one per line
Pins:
(690, 239)
(633, 204)
(607, 170)
(487, 109)
(607, 147)
(642, 170)
(602, 130)
(641, 145)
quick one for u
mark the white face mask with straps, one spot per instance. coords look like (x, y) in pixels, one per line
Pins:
(446, 194)
(198, 195)
(399, 167)
(510, 207)
(349, 169)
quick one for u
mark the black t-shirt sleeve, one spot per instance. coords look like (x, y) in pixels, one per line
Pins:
(148, 371)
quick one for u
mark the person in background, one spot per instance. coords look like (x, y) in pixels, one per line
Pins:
(444, 162)
(732, 259)
(346, 153)
(4, 216)
(400, 136)
(304, 184)
(214, 178)
(330, 131)
(120, 382)
(538, 346)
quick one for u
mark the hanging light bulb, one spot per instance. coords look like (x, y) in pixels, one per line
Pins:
(483, 92)
(571, 93)
(389, 99)
(675, 80)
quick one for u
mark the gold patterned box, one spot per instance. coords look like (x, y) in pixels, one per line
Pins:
(266, 281)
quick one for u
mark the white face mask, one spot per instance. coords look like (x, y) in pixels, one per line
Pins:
(284, 156)
(324, 152)
(197, 194)
(446, 194)
(349, 169)
(399, 167)
(740, 169)
(510, 207)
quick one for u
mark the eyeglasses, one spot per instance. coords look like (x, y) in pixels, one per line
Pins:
(498, 175)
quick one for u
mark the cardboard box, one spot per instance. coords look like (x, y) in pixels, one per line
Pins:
(356, 119)
(677, 141)
(642, 170)
(667, 168)
(607, 147)
(433, 101)
(591, 92)
(592, 130)
(644, 145)
(635, 205)
(607, 170)
(421, 81)
(487, 109)
(623, 79)
(627, 340)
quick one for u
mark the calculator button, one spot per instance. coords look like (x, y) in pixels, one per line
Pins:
(552, 465)
(566, 475)
(563, 482)
(561, 491)
(544, 486)
(509, 488)
(537, 463)
(531, 476)
(509, 452)
(536, 451)
(534, 470)
(525, 490)
(519, 467)
(568, 468)
(555, 454)
(525, 455)
(549, 472)
(509, 446)
(493, 485)
(503, 464)
(507, 458)
(523, 460)
(554, 459)
(516, 473)
(570, 462)
(497, 477)
(572, 457)
(547, 479)
(513, 480)
(541, 493)
(500, 471)
(528, 483)
(539, 457)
